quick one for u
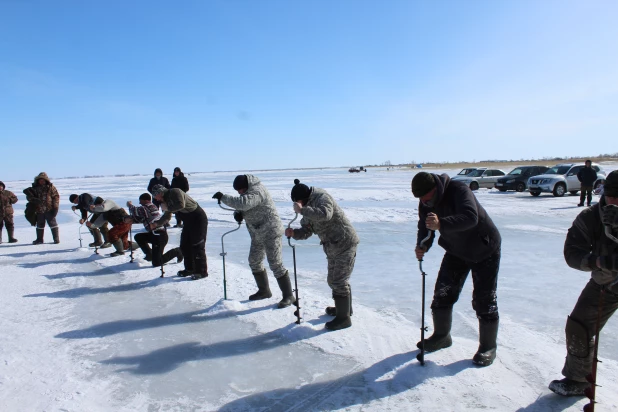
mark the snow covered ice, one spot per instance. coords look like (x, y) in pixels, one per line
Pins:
(83, 332)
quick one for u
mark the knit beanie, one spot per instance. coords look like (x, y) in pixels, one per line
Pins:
(300, 191)
(611, 184)
(158, 189)
(73, 197)
(146, 196)
(422, 184)
(241, 182)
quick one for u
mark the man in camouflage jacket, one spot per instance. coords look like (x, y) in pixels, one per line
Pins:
(265, 229)
(322, 216)
(591, 246)
(46, 200)
(7, 200)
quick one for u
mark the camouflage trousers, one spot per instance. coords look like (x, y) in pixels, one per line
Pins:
(581, 329)
(340, 267)
(269, 248)
(8, 221)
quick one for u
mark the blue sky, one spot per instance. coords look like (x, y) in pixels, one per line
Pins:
(92, 87)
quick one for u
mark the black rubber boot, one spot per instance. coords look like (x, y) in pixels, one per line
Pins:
(332, 311)
(10, 232)
(96, 234)
(56, 235)
(286, 289)
(171, 254)
(261, 279)
(342, 320)
(568, 387)
(441, 338)
(488, 333)
(39, 236)
(185, 273)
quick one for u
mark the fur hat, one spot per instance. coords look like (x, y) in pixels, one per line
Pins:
(300, 191)
(241, 182)
(611, 184)
(422, 183)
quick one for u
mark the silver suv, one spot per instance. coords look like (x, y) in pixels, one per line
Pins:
(560, 179)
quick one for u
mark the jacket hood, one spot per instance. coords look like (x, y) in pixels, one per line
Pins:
(177, 169)
(180, 174)
(253, 180)
(442, 182)
(3, 186)
(158, 171)
(43, 176)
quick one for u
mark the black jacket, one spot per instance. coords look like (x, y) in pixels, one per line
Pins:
(154, 181)
(180, 182)
(466, 230)
(587, 176)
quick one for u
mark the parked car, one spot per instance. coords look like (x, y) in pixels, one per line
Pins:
(481, 177)
(560, 179)
(518, 178)
(467, 170)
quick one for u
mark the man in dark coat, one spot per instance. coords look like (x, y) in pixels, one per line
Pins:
(587, 176)
(7, 200)
(82, 203)
(46, 200)
(472, 243)
(193, 235)
(179, 181)
(591, 246)
(158, 179)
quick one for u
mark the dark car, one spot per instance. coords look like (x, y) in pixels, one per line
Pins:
(518, 178)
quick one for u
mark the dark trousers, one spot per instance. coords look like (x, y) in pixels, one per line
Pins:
(451, 279)
(580, 344)
(586, 190)
(50, 218)
(193, 241)
(158, 240)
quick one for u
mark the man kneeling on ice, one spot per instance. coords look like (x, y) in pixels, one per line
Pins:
(148, 214)
(110, 212)
(322, 216)
(195, 228)
(472, 243)
(591, 245)
(265, 229)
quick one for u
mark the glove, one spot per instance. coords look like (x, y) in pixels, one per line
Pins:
(609, 262)
(610, 216)
(238, 216)
(217, 196)
(54, 211)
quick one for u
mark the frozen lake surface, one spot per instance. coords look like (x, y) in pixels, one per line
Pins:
(84, 332)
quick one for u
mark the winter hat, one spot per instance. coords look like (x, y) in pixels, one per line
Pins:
(158, 189)
(611, 184)
(300, 191)
(41, 175)
(73, 197)
(157, 170)
(146, 196)
(3, 186)
(422, 184)
(241, 182)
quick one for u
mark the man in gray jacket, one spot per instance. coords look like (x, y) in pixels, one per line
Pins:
(258, 209)
(322, 216)
(194, 231)
(590, 246)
